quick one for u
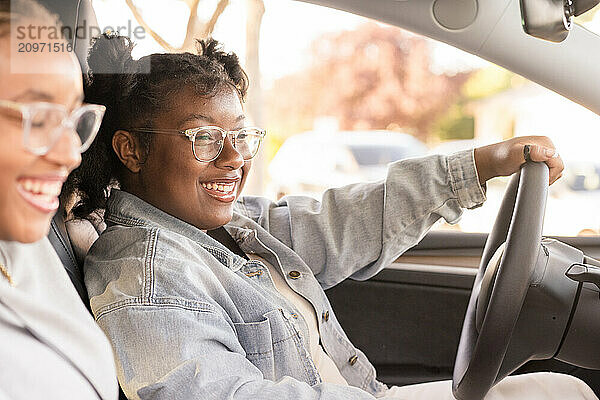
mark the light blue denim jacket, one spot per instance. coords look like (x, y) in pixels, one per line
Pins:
(188, 319)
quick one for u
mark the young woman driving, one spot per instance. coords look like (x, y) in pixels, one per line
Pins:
(244, 316)
(50, 347)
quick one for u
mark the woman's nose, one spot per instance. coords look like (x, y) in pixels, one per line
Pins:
(229, 158)
(65, 151)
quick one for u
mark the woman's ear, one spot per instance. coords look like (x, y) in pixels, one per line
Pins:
(128, 150)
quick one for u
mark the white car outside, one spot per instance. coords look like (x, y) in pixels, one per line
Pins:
(310, 162)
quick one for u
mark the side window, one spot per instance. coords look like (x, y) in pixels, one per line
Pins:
(355, 94)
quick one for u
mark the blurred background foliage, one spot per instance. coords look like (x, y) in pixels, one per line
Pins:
(374, 77)
(378, 77)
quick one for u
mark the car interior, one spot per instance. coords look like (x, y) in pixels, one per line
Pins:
(420, 332)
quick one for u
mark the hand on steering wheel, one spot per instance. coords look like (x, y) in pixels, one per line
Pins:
(505, 158)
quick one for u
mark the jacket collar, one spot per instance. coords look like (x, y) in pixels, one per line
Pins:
(126, 209)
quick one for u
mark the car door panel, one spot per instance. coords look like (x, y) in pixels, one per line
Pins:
(419, 303)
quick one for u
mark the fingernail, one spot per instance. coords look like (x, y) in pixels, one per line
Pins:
(549, 152)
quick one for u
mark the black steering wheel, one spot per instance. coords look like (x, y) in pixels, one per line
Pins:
(493, 311)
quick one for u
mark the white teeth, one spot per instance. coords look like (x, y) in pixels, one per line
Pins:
(221, 187)
(50, 189)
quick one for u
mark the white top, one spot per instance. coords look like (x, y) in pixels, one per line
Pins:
(50, 346)
(325, 365)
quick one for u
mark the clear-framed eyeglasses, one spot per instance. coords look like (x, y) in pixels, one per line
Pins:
(44, 123)
(208, 141)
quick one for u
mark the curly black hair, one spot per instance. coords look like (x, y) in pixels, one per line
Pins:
(135, 91)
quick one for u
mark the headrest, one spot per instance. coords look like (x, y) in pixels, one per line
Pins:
(78, 15)
(83, 233)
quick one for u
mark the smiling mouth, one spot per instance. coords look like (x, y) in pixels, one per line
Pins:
(222, 191)
(42, 194)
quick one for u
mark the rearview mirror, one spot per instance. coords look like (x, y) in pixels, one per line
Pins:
(551, 19)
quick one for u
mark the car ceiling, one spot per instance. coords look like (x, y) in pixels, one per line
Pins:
(494, 33)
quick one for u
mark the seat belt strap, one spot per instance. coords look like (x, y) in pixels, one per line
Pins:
(59, 238)
(223, 237)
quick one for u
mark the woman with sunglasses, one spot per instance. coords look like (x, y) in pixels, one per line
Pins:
(50, 347)
(209, 295)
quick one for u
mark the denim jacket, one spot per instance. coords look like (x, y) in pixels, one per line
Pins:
(189, 319)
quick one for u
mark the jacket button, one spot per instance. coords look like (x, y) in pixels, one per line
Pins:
(294, 274)
(326, 315)
(353, 360)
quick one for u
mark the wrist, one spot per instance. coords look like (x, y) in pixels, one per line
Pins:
(482, 164)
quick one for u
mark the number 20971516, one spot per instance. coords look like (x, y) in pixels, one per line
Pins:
(44, 47)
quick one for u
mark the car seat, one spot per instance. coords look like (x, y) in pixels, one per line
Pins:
(60, 240)
(75, 14)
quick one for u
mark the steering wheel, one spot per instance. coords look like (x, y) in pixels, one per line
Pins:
(498, 296)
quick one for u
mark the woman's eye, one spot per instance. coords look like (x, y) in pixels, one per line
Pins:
(39, 122)
(46, 119)
(205, 140)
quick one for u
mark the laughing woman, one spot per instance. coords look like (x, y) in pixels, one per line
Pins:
(50, 347)
(209, 295)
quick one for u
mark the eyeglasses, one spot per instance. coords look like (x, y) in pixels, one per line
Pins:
(43, 123)
(208, 141)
